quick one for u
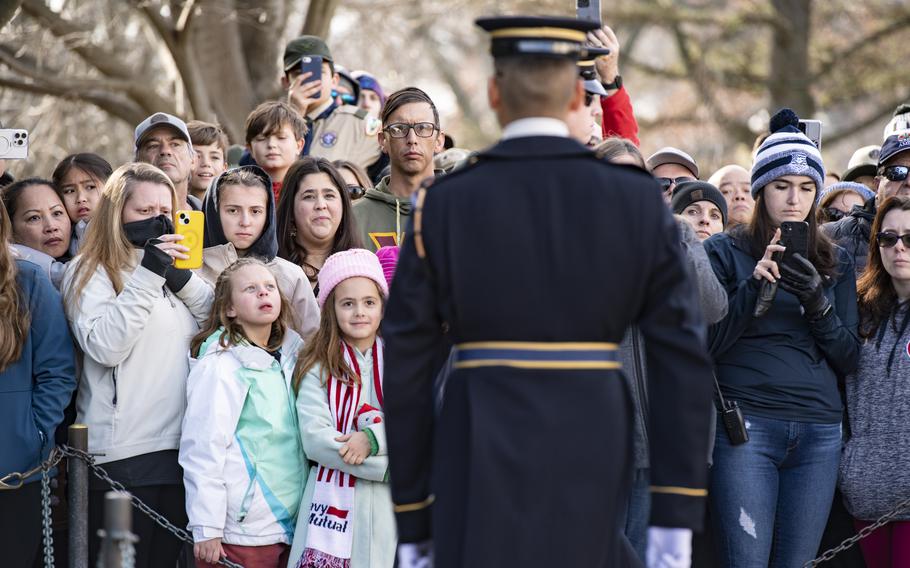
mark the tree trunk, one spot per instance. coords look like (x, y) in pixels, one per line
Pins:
(319, 17)
(790, 79)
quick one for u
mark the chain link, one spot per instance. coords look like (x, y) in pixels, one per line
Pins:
(15, 480)
(46, 529)
(866, 531)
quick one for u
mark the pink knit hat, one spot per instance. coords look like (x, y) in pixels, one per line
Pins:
(388, 258)
(348, 264)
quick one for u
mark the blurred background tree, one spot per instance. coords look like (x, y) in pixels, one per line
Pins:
(704, 75)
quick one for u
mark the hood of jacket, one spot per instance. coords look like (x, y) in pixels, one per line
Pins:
(382, 194)
(266, 246)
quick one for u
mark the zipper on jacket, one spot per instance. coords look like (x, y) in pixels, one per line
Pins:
(168, 296)
(114, 376)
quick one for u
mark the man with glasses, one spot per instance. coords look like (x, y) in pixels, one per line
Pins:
(853, 231)
(671, 166)
(336, 131)
(410, 137)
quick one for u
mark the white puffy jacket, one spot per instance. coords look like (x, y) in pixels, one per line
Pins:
(132, 390)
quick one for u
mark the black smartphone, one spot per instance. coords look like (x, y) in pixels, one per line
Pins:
(312, 64)
(795, 236)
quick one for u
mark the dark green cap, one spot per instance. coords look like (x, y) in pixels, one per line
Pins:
(305, 45)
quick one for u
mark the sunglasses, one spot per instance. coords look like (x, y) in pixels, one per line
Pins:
(666, 183)
(401, 129)
(589, 98)
(834, 214)
(895, 173)
(889, 239)
(356, 192)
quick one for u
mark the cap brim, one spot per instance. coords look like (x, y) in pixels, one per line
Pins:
(859, 171)
(670, 158)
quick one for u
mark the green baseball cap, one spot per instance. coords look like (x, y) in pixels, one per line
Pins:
(305, 45)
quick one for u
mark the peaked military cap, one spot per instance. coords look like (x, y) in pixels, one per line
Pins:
(586, 64)
(538, 36)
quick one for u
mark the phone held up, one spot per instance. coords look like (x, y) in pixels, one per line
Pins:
(190, 224)
(312, 64)
(813, 131)
(13, 144)
(588, 10)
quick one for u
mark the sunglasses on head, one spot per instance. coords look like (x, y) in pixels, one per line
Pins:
(665, 183)
(356, 192)
(895, 173)
(889, 239)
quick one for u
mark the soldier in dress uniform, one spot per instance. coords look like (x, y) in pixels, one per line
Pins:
(336, 132)
(534, 259)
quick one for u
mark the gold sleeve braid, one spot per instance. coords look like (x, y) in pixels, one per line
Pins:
(418, 223)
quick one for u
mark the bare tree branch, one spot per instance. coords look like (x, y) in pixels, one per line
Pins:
(8, 10)
(319, 17)
(101, 59)
(672, 14)
(117, 106)
(159, 23)
(837, 57)
(26, 66)
(884, 111)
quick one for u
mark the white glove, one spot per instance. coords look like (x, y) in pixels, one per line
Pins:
(669, 548)
(415, 555)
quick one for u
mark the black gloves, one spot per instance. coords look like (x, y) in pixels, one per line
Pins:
(801, 279)
(161, 263)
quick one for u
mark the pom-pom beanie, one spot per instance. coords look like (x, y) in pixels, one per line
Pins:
(786, 152)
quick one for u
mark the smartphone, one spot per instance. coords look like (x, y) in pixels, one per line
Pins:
(795, 236)
(191, 224)
(13, 144)
(312, 64)
(813, 131)
(588, 10)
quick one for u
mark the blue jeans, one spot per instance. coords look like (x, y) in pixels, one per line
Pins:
(770, 497)
(638, 513)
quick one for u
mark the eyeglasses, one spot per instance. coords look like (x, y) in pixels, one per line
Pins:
(401, 129)
(665, 183)
(889, 239)
(356, 192)
(834, 214)
(895, 173)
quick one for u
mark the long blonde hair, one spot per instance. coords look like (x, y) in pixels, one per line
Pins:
(233, 332)
(324, 349)
(14, 324)
(105, 243)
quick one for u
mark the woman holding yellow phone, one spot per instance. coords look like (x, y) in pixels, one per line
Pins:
(134, 313)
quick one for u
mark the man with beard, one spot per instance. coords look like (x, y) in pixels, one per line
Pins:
(410, 136)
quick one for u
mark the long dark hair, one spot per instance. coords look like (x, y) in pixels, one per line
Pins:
(761, 229)
(346, 236)
(874, 290)
(92, 164)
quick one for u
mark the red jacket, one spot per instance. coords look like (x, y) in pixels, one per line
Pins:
(618, 118)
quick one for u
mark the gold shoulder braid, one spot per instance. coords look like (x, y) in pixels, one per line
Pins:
(418, 218)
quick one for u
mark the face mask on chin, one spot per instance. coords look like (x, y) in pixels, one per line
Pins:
(139, 232)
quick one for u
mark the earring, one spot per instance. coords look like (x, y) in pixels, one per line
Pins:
(293, 232)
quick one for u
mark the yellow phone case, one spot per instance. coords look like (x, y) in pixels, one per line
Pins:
(191, 225)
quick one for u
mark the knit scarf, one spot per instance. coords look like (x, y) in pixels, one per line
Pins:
(330, 531)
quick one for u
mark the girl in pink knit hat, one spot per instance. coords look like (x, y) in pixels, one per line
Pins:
(346, 516)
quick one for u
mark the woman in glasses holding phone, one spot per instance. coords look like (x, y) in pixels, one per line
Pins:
(770, 495)
(315, 216)
(874, 472)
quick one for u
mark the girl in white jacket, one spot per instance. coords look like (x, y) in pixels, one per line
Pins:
(241, 456)
(133, 314)
(346, 516)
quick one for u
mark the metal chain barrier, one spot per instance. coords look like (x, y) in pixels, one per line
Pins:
(847, 543)
(15, 480)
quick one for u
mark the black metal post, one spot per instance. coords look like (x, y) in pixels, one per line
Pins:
(77, 471)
